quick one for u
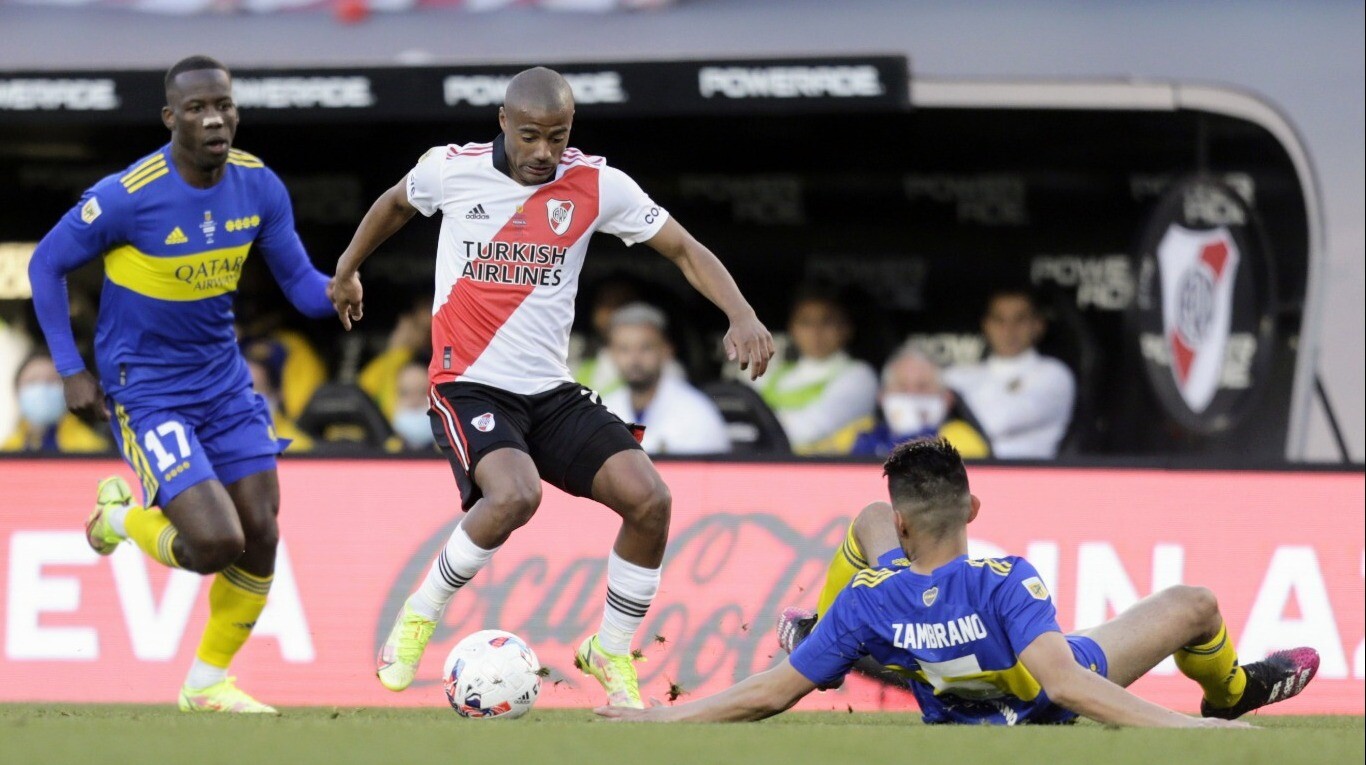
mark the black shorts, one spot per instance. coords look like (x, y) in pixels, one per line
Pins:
(567, 432)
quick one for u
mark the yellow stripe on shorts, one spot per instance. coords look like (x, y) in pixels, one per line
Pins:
(136, 457)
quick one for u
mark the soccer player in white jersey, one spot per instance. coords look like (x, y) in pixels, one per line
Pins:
(517, 214)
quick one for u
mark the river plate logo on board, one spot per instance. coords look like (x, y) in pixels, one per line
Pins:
(1202, 315)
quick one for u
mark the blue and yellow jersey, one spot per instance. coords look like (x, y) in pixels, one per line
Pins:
(955, 633)
(173, 255)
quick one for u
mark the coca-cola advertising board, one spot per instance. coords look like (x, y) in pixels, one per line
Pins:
(1284, 552)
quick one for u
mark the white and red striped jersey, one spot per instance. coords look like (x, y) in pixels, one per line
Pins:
(509, 256)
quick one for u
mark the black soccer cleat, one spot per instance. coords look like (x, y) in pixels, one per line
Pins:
(1280, 676)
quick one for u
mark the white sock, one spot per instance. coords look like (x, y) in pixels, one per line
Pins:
(116, 516)
(203, 675)
(458, 562)
(630, 590)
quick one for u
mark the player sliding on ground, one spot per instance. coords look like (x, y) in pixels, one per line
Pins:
(174, 230)
(978, 640)
(517, 214)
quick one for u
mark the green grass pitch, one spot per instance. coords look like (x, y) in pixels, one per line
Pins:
(149, 735)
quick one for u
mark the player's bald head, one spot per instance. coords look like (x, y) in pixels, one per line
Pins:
(536, 117)
(539, 91)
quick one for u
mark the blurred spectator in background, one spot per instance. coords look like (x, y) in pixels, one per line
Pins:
(410, 343)
(915, 404)
(409, 419)
(45, 426)
(595, 368)
(287, 354)
(14, 348)
(1022, 399)
(265, 383)
(823, 396)
(678, 418)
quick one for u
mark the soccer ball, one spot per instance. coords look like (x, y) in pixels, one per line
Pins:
(492, 673)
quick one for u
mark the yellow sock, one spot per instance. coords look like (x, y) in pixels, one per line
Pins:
(848, 560)
(1214, 665)
(153, 533)
(236, 599)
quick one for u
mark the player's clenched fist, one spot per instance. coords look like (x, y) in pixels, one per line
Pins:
(345, 293)
(84, 397)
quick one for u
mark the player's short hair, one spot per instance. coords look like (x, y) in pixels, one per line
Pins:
(929, 485)
(640, 315)
(192, 64)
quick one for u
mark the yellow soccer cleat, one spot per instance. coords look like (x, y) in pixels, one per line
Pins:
(112, 492)
(402, 651)
(222, 697)
(616, 673)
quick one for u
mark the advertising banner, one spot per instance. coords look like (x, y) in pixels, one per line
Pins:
(1283, 551)
(744, 86)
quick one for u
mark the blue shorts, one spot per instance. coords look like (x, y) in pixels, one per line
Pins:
(171, 449)
(1088, 654)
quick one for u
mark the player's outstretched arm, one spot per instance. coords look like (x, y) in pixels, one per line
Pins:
(758, 696)
(1049, 659)
(387, 215)
(747, 341)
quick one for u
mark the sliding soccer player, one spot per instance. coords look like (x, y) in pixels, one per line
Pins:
(977, 640)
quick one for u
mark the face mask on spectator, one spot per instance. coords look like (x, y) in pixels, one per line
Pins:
(42, 404)
(911, 414)
(414, 427)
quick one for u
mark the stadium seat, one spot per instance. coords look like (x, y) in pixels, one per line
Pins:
(751, 425)
(342, 419)
(1070, 341)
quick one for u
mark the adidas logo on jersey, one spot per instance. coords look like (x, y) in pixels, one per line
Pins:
(176, 236)
(477, 213)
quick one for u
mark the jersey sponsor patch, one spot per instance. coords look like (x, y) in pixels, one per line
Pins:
(561, 213)
(483, 423)
(176, 236)
(1036, 588)
(90, 210)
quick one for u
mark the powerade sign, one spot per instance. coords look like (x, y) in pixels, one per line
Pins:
(45, 94)
(791, 82)
(1203, 307)
(487, 90)
(417, 93)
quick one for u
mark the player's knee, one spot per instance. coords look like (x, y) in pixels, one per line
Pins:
(211, 553)
(1203, 603)
(514, 504)
(650, 513)
(1198, 602)
(878, 515)
(263, 533)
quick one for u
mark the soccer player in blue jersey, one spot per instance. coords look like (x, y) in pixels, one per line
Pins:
(978, 641)
(174, 230)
